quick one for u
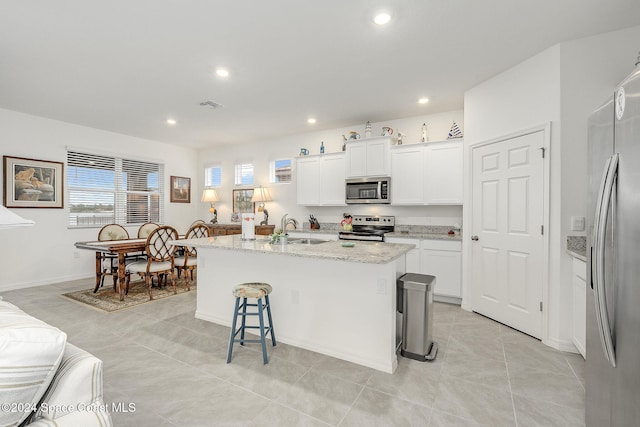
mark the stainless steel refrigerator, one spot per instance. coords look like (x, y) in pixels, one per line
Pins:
(613, 267)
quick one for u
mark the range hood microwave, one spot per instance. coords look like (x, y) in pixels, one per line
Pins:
(368, 190)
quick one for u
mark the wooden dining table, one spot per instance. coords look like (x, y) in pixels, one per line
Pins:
(116, 247)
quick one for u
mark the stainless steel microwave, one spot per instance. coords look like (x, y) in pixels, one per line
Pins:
(368, 190)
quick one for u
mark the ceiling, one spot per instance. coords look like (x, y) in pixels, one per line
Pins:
(128, 66)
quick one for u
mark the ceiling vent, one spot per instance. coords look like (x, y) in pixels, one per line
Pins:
(211, 104)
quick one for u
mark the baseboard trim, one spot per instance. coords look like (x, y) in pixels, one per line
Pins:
(562, 345)
(43, 282)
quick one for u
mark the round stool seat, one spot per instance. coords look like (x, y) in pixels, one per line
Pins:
(251, 290)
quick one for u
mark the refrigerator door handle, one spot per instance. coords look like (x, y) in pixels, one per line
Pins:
(598, 264)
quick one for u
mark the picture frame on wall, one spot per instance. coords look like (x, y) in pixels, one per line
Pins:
(33, 183)
(242, 203)
(180, 189)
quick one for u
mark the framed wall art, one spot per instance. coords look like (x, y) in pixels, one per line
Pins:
(180, 189)
(242, 203)
(32, 183)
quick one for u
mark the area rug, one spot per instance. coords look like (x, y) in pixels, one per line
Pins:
(107, 300)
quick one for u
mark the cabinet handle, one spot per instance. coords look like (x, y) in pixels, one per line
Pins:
(474, 238)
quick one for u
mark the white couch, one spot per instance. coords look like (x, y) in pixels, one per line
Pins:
(45, 381)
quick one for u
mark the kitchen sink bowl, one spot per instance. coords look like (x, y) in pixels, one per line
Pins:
(305, 241)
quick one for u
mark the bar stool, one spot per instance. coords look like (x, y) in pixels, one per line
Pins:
(252, 290)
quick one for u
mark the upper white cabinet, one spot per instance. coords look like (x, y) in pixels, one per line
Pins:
(320, 179)
(427, 174)
(443, 173)
(407, 182)
(368, 157)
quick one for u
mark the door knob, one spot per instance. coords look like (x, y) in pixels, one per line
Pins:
(474, 237)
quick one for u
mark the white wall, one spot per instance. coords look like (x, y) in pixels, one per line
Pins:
(561, 85)
(261, 153)
(44, 253)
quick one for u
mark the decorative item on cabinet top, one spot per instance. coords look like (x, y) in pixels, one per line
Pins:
(455, 131)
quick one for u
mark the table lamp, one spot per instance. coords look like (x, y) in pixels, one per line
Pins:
(10, 220)
(261, 195)
(211, 195)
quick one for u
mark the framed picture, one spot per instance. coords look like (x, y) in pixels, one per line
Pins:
(180, 189)
(242, 203)
(32, 183)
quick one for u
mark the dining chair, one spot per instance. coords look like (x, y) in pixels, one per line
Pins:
(197, 222)
(109, 262)
(146, 228)
(188, 262)
(159, 260)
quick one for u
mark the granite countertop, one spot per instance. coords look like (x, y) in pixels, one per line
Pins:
(428, 232)
(427, 236)
(577, 247)
(363, 252)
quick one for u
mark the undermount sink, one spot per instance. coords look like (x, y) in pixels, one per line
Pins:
(305, 241)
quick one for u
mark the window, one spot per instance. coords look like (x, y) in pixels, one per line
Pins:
(105, 190)
(244, 174)
(213, 176)
(280, 171)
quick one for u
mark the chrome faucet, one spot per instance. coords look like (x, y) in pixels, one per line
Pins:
(283, 223)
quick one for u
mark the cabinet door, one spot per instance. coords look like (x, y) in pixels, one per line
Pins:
(443, 173)
(356, 159)
(332, 175)
(446, 266)
(579, 305)
(407, 182)
(308, 180)
(412, 259)
(378, 163)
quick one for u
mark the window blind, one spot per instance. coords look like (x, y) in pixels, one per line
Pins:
(104, 190)
(244, 174)
(280, 171)
(213, 176)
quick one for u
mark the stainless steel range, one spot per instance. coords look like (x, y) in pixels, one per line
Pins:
(369, 228)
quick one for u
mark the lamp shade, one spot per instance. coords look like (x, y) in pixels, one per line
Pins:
(261, 194)
(210, 195)
(9, 220)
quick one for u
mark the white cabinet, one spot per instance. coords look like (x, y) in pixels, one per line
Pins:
(332, 175)
(443, 173)
(413, 256)
(443, 259)
(320, 180)
(407, 181)
(439, 258)
(427, 174)
(308, 180)
(368, 157)
(579, 304)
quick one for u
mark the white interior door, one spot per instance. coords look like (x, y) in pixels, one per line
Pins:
(507, 235)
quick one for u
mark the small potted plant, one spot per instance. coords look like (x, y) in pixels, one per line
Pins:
(279, 236)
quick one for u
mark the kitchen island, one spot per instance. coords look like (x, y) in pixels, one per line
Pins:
(335, 300)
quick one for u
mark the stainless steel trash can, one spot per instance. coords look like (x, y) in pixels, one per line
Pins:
(415, 302)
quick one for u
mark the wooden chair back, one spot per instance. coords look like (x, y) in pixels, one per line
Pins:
(195, 232)
(113, 232)
(146, 228)
(158, 248)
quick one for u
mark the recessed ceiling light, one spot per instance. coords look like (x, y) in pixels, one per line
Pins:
(382, 18)
(311, 121)
(171, 122)
(423, 100)
(222, 72)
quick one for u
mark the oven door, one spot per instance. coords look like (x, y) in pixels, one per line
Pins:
(361, 236)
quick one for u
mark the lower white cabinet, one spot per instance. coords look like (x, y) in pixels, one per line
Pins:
(579, 282)
(439, 258)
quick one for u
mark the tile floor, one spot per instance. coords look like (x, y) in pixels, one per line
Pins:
(172, 367)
